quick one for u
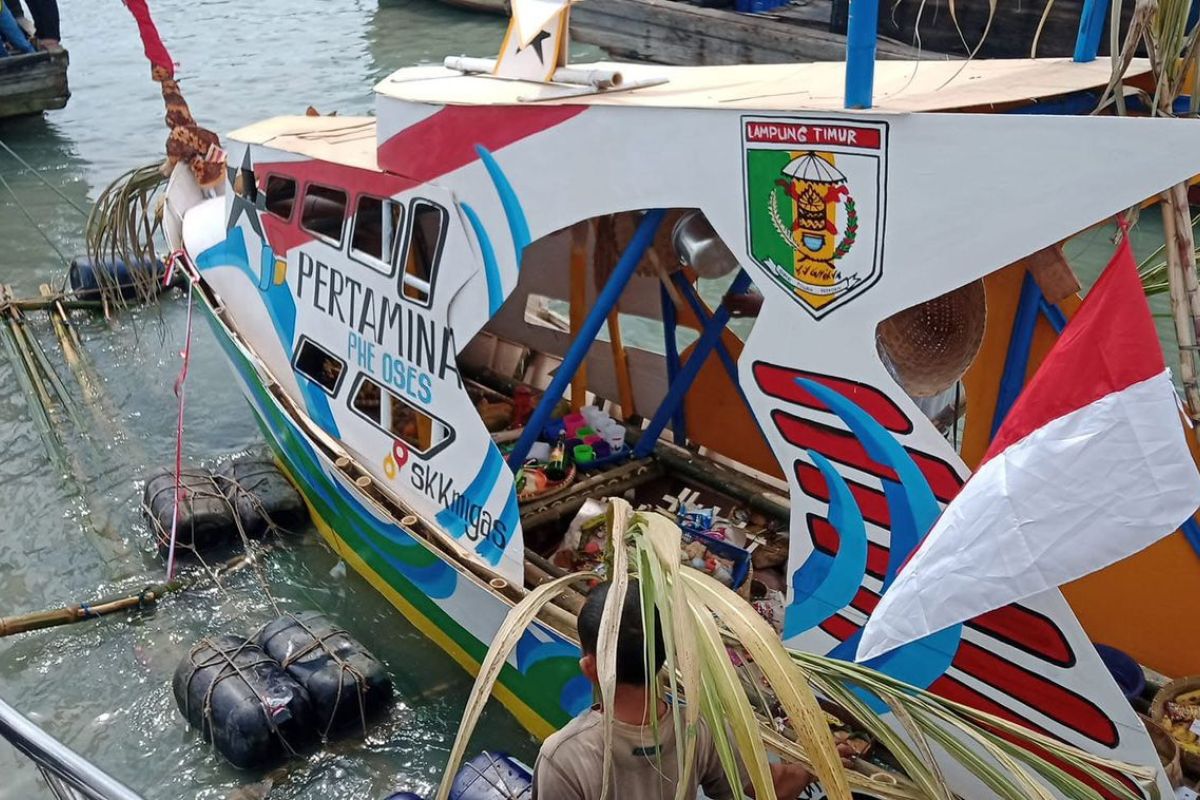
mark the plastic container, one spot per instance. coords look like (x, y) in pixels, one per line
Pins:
(206, 518)
(492, 776)
(1124, 669)
(241, 700)
(595, 416)
(583, 454)
(573, 422)
(614, 434)
(87, 278)
(261, 495)
(345, 683)
(539, 451)
(739, 557)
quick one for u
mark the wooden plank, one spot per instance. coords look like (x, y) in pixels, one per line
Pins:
(33, 83)
(672, 32)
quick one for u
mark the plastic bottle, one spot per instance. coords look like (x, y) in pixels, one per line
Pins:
(556, 466)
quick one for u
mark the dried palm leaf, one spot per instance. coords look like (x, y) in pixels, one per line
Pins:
(124, 226)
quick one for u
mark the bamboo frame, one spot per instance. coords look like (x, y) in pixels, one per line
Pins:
(1185, 294)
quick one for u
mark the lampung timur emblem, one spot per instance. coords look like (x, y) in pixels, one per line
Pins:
(814, 195)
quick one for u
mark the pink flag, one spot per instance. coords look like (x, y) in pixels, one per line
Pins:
(1090, 466)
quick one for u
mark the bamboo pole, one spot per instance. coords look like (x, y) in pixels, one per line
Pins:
(621, 367)
(1179, 266)
(149, 596)
(68, 339)
(37, 411)
(579, 264)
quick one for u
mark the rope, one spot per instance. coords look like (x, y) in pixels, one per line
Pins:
(42, 178)
(180, 392)
(33, 222)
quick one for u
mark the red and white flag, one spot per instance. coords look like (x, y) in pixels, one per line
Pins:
(1090, 466)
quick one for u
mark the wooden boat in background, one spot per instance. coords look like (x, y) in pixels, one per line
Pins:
(30, 84)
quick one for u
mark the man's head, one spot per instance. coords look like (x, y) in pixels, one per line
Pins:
(631, 642)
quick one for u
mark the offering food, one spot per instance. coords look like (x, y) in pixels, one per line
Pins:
(1181, 717)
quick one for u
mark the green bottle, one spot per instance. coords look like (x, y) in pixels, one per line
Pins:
(556, 466)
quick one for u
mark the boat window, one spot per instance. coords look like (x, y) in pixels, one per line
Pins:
(319, 365)
(324, 212)
(427, 233)
(377, 226)
(395, 417)
(281, 196)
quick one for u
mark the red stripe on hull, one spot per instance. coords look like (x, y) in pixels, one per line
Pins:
(871, 501)
(1060, 704)
(826, 538)
(844, 447)
(446, 140)
(780, 382)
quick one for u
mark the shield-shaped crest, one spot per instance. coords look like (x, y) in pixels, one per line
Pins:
(815, 193)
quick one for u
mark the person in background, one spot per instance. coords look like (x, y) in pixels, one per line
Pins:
(45, 21)
(11, 33)
(571, 762)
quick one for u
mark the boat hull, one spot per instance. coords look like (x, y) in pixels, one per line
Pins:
(541, 685)
(33, 83)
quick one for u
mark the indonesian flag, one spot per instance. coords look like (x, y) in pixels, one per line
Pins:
(1090, 466)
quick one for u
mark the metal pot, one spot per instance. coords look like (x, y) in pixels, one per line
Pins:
(699, 247)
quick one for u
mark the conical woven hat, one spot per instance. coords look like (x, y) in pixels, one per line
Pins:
(930, 346)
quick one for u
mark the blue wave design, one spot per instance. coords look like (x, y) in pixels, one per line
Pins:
(576, 695)
(914, 509)
(823, 585)
(491, 270)
(437, 579)
(531, 650)
(518, 226)
(476, 493)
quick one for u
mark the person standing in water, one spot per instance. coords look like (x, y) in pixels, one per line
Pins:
(571, 762)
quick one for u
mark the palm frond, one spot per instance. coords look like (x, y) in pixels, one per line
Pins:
(704, 622)
(124, 226)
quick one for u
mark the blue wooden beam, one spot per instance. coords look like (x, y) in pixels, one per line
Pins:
(1016, 360)
(1091, 26)
(671, 344)
(605, 302)
(683, 381)
(693, 300)
(861, 33)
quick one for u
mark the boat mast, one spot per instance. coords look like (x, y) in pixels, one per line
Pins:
(862, 30)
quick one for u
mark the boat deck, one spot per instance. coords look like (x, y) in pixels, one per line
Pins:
(349, 141)
(900, 86)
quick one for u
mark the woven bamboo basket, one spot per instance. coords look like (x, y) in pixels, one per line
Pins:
(1168, 750)
(1190, 760)
(930, 346)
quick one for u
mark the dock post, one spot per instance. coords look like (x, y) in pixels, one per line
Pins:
(605, 302)
(861, 33)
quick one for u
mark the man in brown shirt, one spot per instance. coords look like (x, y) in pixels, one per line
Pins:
(571, 762)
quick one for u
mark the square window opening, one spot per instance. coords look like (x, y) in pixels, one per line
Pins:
(281, 196)
(395, 417)
(377, 228)
(319, 365)
(427, 233)
(324, 212)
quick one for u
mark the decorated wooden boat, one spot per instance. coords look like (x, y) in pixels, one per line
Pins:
(430, 310)
(30, 84)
